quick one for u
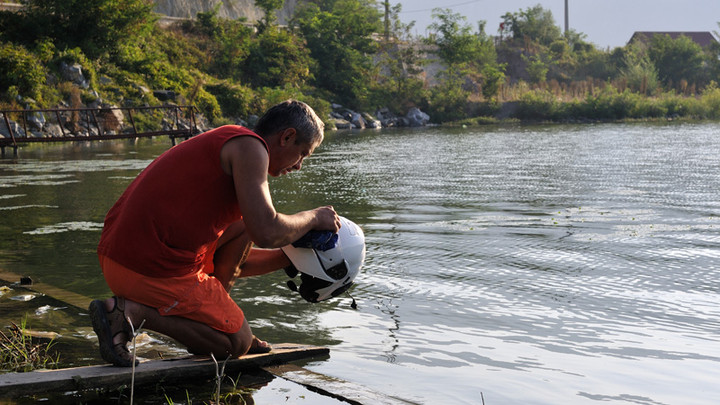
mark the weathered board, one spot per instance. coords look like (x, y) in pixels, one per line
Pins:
(69, 297)
(148, 372)
(333, 387)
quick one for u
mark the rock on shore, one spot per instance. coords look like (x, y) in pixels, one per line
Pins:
(344, 118)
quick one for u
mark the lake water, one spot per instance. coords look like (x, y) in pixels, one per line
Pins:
(516, 265)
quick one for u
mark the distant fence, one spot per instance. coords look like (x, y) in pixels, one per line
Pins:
(90, 124)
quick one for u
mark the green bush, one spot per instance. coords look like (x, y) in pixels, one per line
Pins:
(573, 109)
(21, 69)
(446, 104)
(98, 27)
(398, 93)
(208, 105)
(164, 76)
(537, 105)
(676, 105)
(537, 68)
(234, 100)
(711, 100)
(150, 60)
(643, 107)
(276, 59)
(44, 49)
(147, 120)
(485, 109)
(448, 100)
(76, 55)
(493, 77)
(608, 104)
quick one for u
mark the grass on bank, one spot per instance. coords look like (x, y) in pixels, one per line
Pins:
(19, 352)
(606, 103)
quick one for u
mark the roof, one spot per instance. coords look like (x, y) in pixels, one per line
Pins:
(702, 38)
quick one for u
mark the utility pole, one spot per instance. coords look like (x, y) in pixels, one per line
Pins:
(387, 21)
(567, 19)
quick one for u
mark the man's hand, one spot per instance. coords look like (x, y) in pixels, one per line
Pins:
(326, 219)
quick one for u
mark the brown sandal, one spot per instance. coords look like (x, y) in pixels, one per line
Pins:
(107, 325)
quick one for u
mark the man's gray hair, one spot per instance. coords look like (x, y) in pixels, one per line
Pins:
(292, 114)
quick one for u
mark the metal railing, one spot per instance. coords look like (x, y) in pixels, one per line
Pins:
(90, 124)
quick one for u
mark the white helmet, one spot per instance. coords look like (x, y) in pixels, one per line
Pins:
(328, 273)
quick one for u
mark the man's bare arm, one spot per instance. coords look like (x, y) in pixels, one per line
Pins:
(247, 161)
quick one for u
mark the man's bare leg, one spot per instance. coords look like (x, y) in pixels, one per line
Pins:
(197, 337)
(235, 257)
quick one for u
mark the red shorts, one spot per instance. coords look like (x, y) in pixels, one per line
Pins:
(195, 296)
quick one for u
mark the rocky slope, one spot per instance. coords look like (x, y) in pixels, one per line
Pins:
(231, 9)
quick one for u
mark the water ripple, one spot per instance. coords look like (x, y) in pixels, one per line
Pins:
(66, 227)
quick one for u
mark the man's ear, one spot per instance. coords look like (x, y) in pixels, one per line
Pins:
(287, 136)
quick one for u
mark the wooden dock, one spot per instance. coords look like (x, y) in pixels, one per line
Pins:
(147, 372)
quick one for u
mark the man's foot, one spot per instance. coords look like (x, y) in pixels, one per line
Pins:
(259, 346)
(113, 332)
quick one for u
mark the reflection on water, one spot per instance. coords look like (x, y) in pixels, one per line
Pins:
(543, 265)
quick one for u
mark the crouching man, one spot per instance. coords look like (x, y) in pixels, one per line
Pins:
(184, 229)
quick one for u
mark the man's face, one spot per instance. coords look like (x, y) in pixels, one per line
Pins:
(290, 156)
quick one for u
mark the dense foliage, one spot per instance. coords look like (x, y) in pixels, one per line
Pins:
(338, 34)
(354, 52)
(95, 26)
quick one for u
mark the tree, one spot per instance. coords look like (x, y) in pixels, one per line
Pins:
(338, 34)
(677, 60)
(448, 100)
(493, 78)
(639, 72)
(534, 23)
(400, 61)
(467, 53)
(225, 43)
(269, 7)
(20, 69)
(455, 41)
(537, 68)
(95, 26)
(276, 58)
(582, 61)
(712, 54)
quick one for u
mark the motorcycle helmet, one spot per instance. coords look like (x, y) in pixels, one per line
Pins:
(329, 263)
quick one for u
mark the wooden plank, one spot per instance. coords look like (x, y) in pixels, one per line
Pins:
(333, 387)
(59, 294)
(148, 372)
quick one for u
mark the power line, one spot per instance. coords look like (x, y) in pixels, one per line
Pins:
(433, 8)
